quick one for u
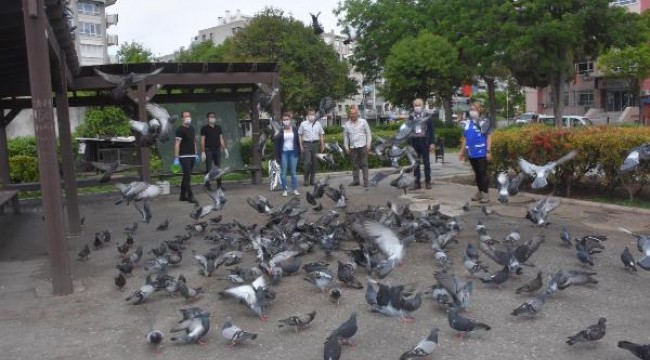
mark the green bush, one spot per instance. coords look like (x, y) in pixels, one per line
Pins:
(108, 121)
(23, 168)
(23, 146)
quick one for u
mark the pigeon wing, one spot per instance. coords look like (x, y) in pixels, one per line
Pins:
(139, 77)
(383, 237)
(113, 79)
(528, 168)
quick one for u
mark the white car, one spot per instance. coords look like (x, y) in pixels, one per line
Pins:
(525, 118)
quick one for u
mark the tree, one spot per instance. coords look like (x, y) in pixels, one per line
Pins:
(108, 121)
(310, 69)
(631, 64)
(205, 51)
(418, 67)
(546, 37)
(133, 52)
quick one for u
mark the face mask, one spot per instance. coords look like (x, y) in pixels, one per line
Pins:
(473, 114)
(212, 121)
(286, 123)
(418, 109)
(187, 121)
(311, 117)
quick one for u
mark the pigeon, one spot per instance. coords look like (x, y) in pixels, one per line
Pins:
(634, 158)
(403, 182)
(335, 296)
(514, 184)
(466, 207)
(320, 278)
(332, 350)
(154, 337)
(531, 307)
(260, 203)
(140, 295)
(125, 268)
(643, 245)
(216, 173)
(480, 226)
(458, 292)
(575, 277)
(337, 195)
(195, 329)
(584, 256)
(84, 253)
(473, 266)
(345, 274)
(565, 236)
(234, 334)
(462, 324)
(538, 213)
(347, 329)
(161, 115)
(164, 226)
(513, 237)
(487, 211)
(253, 296)
(109, 169)
(349, 38)
(189, 293)
(531, 286)
(539, 173)
(592, 333)
(424, 348)
(327, 158)
(120, 281)
(381, 175)
(498, 277)
(334, 147)
(316, 26)
(471, 252)
(298, 321)
(628, 260)
(124, 82)
(640, 351)
(502, 184)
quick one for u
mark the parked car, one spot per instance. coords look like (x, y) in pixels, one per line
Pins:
(567, 120)
(524, 118)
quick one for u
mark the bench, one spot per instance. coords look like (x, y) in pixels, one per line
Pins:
(439, 149)
(7, 196)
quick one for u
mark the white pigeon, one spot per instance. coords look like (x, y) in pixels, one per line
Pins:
(386, 239)
(252, 295)
(539, 173)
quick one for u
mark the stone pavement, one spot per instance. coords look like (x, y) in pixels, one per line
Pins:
(95, 322)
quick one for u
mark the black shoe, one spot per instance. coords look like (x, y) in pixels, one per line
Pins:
(354, 183)
(192, 199)
(416, 186)
(183, 198)
(427, 185)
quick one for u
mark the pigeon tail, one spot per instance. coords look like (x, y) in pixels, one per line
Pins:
(539, 182)
(644, 263)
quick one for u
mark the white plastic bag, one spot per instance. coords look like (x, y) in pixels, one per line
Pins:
(274, 175)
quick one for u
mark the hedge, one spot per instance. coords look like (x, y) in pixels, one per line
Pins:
(23, 168)
(599, 147)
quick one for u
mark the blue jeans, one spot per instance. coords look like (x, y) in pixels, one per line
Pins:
(290, 161)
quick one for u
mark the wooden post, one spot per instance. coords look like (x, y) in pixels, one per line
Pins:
(65, 140)
(255, 132)
(4, 152)
(40, 82)
(145, 170)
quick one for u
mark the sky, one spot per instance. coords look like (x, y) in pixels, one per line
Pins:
(165, 25)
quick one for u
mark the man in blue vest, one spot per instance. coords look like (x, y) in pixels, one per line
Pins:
(476, 145)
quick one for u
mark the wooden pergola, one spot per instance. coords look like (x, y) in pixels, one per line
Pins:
(39, 56)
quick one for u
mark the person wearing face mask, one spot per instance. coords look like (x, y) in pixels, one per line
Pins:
(312, 141)
(422, 142)
(211, 144)
(185, 155)
(287, 151)
(356, 143)
(476, 146)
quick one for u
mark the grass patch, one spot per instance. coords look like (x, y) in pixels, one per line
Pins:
(637, 203)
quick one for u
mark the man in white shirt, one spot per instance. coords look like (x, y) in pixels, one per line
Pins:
(356, 142)
(312, 141)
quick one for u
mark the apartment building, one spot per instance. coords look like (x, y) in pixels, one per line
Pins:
(594, 96)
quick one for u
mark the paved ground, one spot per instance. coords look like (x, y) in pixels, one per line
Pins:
(95, 322)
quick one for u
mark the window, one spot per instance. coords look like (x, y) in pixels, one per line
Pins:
(87, 8)
(210, 35)
(94, 51)
(584, 67)
(623, 2)
(586, 97)
(90, 29)
(566, 98)
(202, 37)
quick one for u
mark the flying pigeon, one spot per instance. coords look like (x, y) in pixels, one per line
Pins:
(634, 158)
(591, 333)
(253, 295)
(327, 158)
(387, 241)
(381, 175)
(195, 329)
(403, 181)
(165, 121)
(110, 168)
(125, 82)
(424, 348)
(318, 28)
(538, 213)
(539, 173)
(298, 321)
(234, 334)
(260, 203)
(640, 351)
(349, 38)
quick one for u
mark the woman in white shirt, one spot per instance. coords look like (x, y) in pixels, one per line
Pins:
(287, 152)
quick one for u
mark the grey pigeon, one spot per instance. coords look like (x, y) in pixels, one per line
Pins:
(628, 260)
(335, 296)
(320, 278)
(459, 291)
(424, 348)
(327, 158)
(473, 266)
(576, 277)
(163, 226)
(498, 277)
(531, 307)
(531, 286)
(84, 253)
(234, 334)
(640, 351)
(140, 295)
(539, 212)
(125, 82)
(502, 186)
(643, 245)
(584, 256)
(565, 236)
(591, 333)
(634, 158)
(155, 338)
(332, 350)
(110, 168)
(403, 182)
(347, 329)
(345, 274)
(260, 203)
(462, 324)
(486, 210)
(539, 173)
(381, 175)
(253, 296)
(316, 26)
(298, 321)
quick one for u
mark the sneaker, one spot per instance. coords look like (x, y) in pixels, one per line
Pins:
(284, 193)
(485, 198)
(354, 183)
(477, 196)
(427, 185)
(295, 192)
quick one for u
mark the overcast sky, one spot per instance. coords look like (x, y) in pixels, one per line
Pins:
(165, 25)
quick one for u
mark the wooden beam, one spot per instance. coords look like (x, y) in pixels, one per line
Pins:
(40, 81)
(5, 119)
(198, 79)
(65, 141)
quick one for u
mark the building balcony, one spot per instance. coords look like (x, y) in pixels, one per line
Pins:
(111, 40)
(111, 19)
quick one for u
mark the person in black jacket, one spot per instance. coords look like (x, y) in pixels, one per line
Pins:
(212, 143)
(287, 152)
(422, 142)
(185, 155)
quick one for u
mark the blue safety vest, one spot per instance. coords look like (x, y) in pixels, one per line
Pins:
(475, 141)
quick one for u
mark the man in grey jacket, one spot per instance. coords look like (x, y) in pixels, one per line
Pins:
(356, 142)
